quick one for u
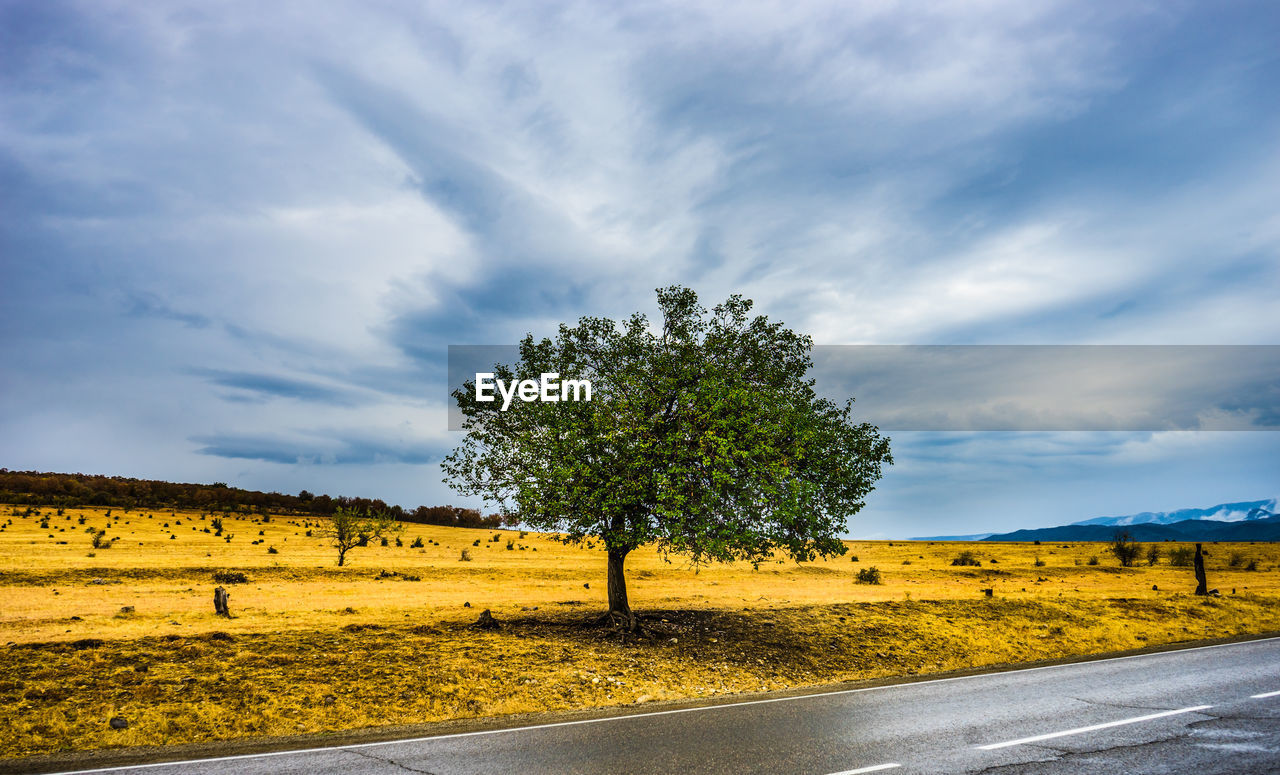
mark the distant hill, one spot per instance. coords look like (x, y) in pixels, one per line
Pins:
(1242, 521)
(1223, 512)
(39, 488)
(1257, 529)
(970, 537)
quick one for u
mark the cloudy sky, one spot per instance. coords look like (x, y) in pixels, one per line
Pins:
(236, 239)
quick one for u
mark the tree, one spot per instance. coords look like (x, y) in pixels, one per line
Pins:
(703, 437)
(1153, 555)
(348, 528)
(1126, 550)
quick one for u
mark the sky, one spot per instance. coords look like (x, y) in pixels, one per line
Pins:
(237, 239)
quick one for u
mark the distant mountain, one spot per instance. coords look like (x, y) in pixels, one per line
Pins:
(1256, 529)
(973, 537)
(1223, 512)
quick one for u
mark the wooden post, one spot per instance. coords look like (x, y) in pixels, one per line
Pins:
(220, 603)
(1202, 584)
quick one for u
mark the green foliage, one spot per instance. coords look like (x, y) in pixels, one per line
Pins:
(967, 557)
(417, 543)
(869, 575)
(703, 437)
(1092, 560)
(1182, 556)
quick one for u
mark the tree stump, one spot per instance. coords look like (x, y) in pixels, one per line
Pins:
(486, 621)
(220, 606)
(1202, 584)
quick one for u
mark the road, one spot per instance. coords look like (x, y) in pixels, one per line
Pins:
(1207, 710)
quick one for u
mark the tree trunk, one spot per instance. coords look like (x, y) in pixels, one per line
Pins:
(220, 606)
(619, 608)
(342, 555)
(1202, 584)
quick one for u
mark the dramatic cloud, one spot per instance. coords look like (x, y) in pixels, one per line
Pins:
(237, 240)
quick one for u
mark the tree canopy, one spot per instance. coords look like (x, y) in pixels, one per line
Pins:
(703, 436)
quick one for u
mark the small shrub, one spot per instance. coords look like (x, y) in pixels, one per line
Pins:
(1093, 560)
(1253, 565)
(476, 542)
(398, 541)
(385, 542)
(466, 556)
(1182, 556)
(966, 558)
(272, 550)
(417, 543)
(869, 575)
(853, 558)
(1237, 559)
(511, 545)
(1153, 555)
(524, 533)
(496, 538)
(1126, 550)
(100, 540)
(1039, 563)
(230, 577)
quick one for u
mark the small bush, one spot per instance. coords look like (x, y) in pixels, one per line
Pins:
(1039, 563)
(417, 543)
(966, 558)
(1153, 555)
(1253, 565)
(476, 542)
(1093, 560)
(511, 545)
(870, 575)
(466, 556)
(853, 558)
(272, 550)
(398, 541)
(1182, 556)
(385, 541)
(1126, 550)
(100, 540)
(1237, 559)
(230, 577)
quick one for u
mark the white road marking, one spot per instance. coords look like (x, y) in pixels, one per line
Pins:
(1091, 728)
(836, 693)
(873, 768)
(1264, 695)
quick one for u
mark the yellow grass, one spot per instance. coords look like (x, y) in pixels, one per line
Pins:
(312, 647)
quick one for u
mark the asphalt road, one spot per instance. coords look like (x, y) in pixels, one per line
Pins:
(1207, 710)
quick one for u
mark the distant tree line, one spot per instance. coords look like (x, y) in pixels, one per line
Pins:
(68, 490)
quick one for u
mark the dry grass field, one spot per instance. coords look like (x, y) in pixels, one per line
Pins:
(130, 630)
